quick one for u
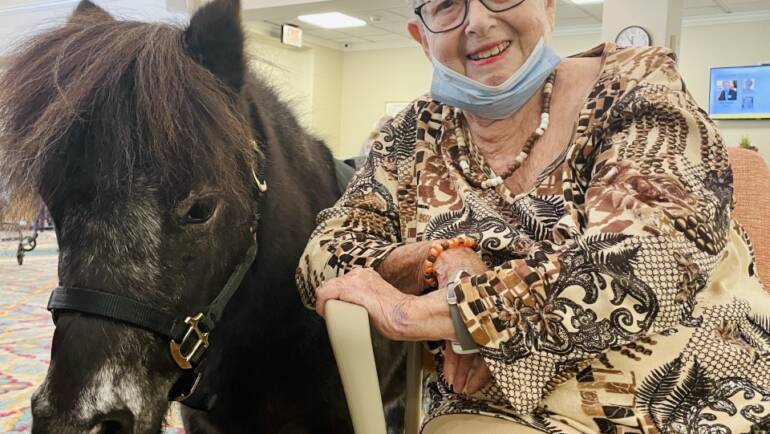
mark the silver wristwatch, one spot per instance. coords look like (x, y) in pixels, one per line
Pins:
(464, 343)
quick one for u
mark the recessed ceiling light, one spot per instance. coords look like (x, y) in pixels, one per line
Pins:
(260, 4)
(587, 2)
(332, 20)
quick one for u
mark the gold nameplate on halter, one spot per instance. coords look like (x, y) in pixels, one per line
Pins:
(201, 343)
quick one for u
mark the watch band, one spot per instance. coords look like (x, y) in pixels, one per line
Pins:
(464, 343)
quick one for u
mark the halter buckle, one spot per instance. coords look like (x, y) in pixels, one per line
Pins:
(201, 343)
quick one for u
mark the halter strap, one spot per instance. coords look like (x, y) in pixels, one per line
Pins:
(189, 336)
(115, 307)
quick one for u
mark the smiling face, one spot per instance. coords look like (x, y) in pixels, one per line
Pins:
(490, 46)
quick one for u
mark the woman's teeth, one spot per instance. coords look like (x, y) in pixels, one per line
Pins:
(491, 52)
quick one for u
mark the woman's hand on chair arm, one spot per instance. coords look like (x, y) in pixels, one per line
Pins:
(406, 317)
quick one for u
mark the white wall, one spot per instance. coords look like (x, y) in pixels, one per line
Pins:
(289, 70)
(567, 45)
(341, 95)
(372, 78)
(704, 47)
(21, 19)
(327, 95)
(662, 19)
(308, 79)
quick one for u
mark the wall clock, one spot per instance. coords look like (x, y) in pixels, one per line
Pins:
(633, 36)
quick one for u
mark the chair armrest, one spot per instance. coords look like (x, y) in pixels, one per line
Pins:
(350, 336)
(413, 410)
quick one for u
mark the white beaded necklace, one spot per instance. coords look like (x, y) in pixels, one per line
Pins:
(464, 138)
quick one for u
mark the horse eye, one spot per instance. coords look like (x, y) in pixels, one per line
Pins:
(200, 211)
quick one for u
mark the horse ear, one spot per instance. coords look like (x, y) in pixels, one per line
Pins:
(215, 39)
(87, 9)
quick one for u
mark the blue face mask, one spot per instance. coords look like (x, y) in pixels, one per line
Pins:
(494, 102)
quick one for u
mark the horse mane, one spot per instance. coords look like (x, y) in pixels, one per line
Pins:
(110, 100)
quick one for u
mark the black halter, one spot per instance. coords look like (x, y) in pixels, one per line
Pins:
(188, 333)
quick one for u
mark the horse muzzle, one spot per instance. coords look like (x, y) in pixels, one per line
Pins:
(44, 421)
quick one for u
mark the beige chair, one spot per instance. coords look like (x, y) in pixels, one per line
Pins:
(350, 335)
(349, 331)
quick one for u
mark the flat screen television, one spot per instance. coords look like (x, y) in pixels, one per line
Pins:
(740, 92)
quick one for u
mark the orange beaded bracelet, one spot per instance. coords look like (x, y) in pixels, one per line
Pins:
(429, 273)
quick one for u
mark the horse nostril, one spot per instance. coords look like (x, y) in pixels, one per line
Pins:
(108, 427)
(117, 422)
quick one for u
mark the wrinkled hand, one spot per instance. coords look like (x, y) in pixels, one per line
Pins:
(466, 373)
(404, 317)
(453, 260)
(387, 306)
(398, 316)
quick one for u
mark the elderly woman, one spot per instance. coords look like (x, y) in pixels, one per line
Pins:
(559, 230)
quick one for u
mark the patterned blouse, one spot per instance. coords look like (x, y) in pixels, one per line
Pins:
(621, 295)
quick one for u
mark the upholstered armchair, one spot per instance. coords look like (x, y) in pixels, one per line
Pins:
(751, 180)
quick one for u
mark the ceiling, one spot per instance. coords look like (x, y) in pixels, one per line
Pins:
(387, 18)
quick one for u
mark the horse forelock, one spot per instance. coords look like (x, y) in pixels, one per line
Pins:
(115, 100)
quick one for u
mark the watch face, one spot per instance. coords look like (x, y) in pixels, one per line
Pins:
(633, 36)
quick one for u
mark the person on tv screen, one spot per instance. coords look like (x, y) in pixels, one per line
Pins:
(748, 86)
(728, 91)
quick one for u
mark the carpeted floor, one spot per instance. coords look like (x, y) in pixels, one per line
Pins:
(25, 333)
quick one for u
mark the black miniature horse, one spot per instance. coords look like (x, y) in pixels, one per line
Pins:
(162, 160)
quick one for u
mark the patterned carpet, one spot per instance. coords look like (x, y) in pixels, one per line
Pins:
(26, 330)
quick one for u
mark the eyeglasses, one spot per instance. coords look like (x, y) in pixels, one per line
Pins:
(441, 16)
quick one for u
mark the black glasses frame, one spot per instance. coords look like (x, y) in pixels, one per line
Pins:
(418, 12)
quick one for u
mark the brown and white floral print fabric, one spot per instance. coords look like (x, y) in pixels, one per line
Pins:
(621, 295)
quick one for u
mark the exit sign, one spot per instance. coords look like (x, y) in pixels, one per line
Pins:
(291, 35)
